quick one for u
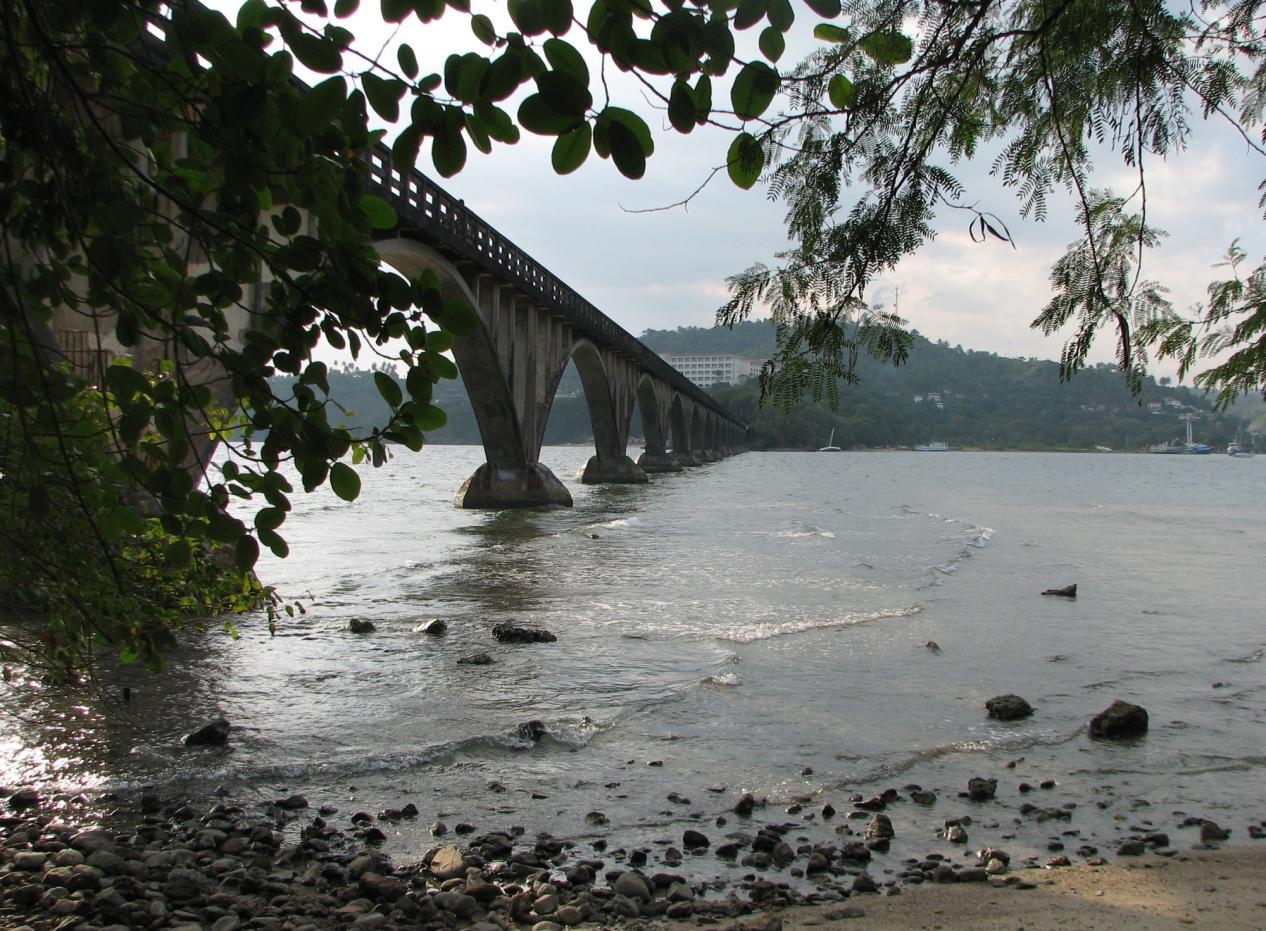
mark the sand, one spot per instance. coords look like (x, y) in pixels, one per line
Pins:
(1223, 889)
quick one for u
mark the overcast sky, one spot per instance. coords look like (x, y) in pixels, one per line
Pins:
(667, 269)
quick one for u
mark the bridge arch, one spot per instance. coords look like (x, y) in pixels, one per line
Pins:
(610, 393)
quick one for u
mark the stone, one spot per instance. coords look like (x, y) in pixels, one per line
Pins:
(184, 884)
(1119, 720)
(1068, 591)
(358, 625)
(458, 903)
(633, 885)
(475, 659)
(1211, 832)
(212, 734)
(744, 805)
(29, 860)
(923, 796)
(694, 840)
(864, 882)
(570, 914)
(506, 632)
(1008, 707)
(1131, 848)
(956, 834)
(448, 863)
(292, 802)
(980, 789)
(435, 628)
(879, 826)
(24, 798)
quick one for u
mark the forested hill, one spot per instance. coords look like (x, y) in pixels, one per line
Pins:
(984, 400)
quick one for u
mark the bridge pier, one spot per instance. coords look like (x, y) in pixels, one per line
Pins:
(604, 470)
(659, 461)
(496, 488)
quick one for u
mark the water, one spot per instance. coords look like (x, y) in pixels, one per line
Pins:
(728, 626)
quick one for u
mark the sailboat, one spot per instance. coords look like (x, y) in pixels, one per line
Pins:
(830, 446)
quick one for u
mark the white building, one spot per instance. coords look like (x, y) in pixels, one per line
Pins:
(710, 368)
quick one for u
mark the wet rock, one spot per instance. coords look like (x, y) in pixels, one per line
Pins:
(182, 885)
(956, 834)
(1131, 848)
(880, 826)
(292, 802)
(745, 805)
(863, 882)
(435, 628)
(1211, 832)
(212, 734)
(923, 796)
(448, 863)
(1068, 591)
(1008, 707)
(1119, 720)
(381, 888)
(24, 798)
(633, 886)
(458, 903)
(475, 659)
(694, 840)
(359, 625)
(980, 789)
(506, 632)
(596, 817)
(532, 730)
(933, 646)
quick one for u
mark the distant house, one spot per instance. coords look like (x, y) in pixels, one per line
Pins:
(1174, 403)
(1155, 406)
(918, 399)
(712, 368)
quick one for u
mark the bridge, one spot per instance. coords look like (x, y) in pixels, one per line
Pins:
(531, 325)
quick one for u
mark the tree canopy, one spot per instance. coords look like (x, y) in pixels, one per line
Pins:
(157, 160)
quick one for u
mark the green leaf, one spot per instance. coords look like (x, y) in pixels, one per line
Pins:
(626, 151)
(571, 149)
(537, 116)
(483, 29)
(384, 95)
(562, 56)
(317, 53)
(753, 90)
(430, 418)
(323, 104)
(558, 15)
(345, 8)
(389, 388)
(772, 44)
(681, 107)
(887, 48)
(275, 543)
(749, 13)
(528, 16)
(745, 160)
(246, 553)
(781, 15)
(842, 93)
(380, 213)
(344, 480)
(829, 32)
(827, 9)
(448, 150)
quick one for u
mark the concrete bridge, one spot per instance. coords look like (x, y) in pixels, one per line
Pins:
(530, 326)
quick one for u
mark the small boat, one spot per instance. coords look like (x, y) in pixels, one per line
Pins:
(937, 447)
(830, 446)
(1177, 446)
(1103, 449)
(1236, 451)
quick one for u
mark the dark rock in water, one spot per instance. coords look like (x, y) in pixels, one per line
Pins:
(436, 628)
(596, 817)
(922, 796)
(475, 659)
(512, 633)
(1211, 832)
(980, 789)
(1008, 707)
(213, 734)
(292, 802)
(531, 730)
(360, 626)
(24, 798)
(693, 840)
(745, 805)
(1131, 848)
(1120, 719)
(933, 646)
(1068, 591)
(880, 826)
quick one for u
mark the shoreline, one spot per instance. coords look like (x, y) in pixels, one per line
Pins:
(292, 864)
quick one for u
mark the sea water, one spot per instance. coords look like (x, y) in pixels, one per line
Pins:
(800, 626)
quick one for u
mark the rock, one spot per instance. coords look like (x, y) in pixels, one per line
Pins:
(381, 888)
(475, 659)
(923, 796)
(1131, 848)
(1068, 591)
(435, 628)
(1008, 707)
(980, 789)
(633, 885)
(29, 860)
(448, 863)
(863, 882)
(292, 802)
(361, 626)
(506, 632)
(880, 826)
(933, 646)
(532, 730)
(184, 884)
(745, 805)
(460, 904)
(694, 840)
(24, 798)
(570, 915)
(956, 834)
(1211, 832)
(841, 914)
(213, 734)
(1119, 720)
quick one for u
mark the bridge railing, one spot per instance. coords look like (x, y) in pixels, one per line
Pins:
(423, 206)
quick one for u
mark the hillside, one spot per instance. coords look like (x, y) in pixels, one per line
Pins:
(944, 393)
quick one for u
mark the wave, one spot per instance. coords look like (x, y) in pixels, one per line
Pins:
(754, 632)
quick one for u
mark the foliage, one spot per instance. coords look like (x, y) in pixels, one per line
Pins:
(866, 153)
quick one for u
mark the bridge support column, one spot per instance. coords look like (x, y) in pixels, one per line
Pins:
(686, 460)
(601, 470)
(660, 461)
(493, 487)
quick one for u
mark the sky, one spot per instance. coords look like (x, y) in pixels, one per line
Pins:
(667, 268)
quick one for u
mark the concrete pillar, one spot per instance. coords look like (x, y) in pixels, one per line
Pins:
(499, 487)
(661, 461)
(601, 470)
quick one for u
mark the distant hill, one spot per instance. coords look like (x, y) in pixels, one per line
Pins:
(944, 393)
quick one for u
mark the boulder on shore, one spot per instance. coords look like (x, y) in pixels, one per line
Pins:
(1118, 720)
(212, 734)
(1068, 591)
(1008, 707)
(513, 633)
